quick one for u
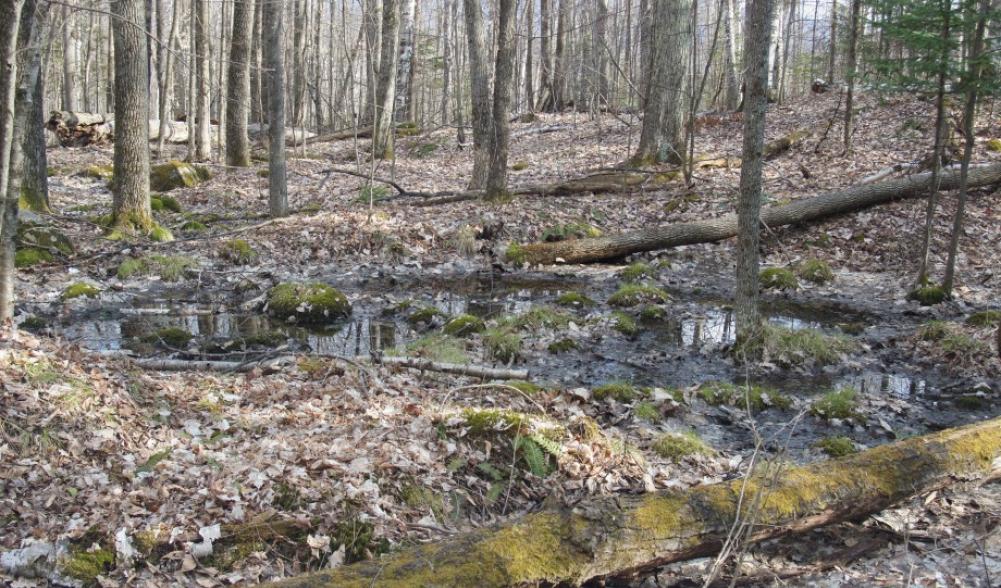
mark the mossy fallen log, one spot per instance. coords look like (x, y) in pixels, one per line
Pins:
(707, 231)
(621, 535)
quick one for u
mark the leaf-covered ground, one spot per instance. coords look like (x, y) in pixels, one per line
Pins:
(348, 459)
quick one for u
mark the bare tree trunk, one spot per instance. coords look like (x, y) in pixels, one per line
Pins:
(852, 65)
(479, 87)
(601, 51)
(238, 101)
(833, 41)
(69, 60)
(406, 58)
(203, 98)
(383, 132)
(559, 93)
(446, 60)
(546, 56)
(497, 179)
(298, 63)
(10, 19)
(130, 186)
(529, 73)
(256, 93)
(732, 86)
(33, 174)
(274, 64)
(167, 81)
(373, 41)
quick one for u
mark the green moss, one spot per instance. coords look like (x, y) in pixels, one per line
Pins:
(425, 315)
(436, 348)
(636, 272)
(422, 498)
(356, 537)
(676, 446)
(951, 340)
(176, 174)
(836, 404)
(621, 391)
(193, 226)
(424, 150)
(34, 323)
(170, 203)
(516, 254)
(526, 387)
(778, 278)
(44, 237)
(624, 323)
(174, 337)
(633, 294)
(984, 318)
(170, 268)
(238, 252)
(519, 166)
(570, 231)
(161, 234)
(815, 270)
(86, 566)
(575, 299)
(287, 497)
(310, 303)
(836, 446)
(30, 257)
(756, 397)
(927, 295)
(803, 346)
(653, 313)
(373, 194)
(502, 345)
(464, 324)
(538, 317)
(562, 346)
(79, 289)
(647, 411)
(100, 172)
(994, 145)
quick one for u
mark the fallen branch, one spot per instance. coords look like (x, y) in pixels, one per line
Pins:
(707, 231)
(620, 535)
(184, 365)
(478, 371)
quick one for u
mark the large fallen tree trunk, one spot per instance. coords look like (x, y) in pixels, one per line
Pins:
(623, 534)
(808, 209)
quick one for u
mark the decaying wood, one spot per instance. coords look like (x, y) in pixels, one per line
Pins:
(75, 129)
(184, 365)
(477, 371)
(624, 534)
(806, 210)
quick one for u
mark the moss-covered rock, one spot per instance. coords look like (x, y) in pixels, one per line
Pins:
(464, 324)
(928, 295)
(34, 323)
(31, 256)
(994, 145)
(653, 313)
(633, 294)
(815, 270)
(79, 289)
(238, 252)
(41, 236)
(86, 565)
(621, 391)
(193, 226)
(778, 278)
(311, 303)
(163, 202)
(426, 316)
(99, 172)
(519, 166)
(677, 446)
(176, 174)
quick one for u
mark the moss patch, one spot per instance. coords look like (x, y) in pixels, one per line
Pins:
(647, 411)
(984, 318)
(562, 346)
(170, 268)
(519, 166)
(621, 391)
(778, 278)
(624, 323)
(994, 145)
(310, 303)
(570, 231)
(927, 295)
(836, 446)
(636, 272)
(538, 317)
(515, 254)
(79, 289)
(836, 404)
(425, 315)
(29, 257)
(633, 294)
(574, 299)
(792, 347)
(756, 397)
(463, 325)
(193, 226)
(173, 337)
(34, 235)
(176, 174)
(815, 270)
(86, 566)
(238, 252)
(441, 348)
(677, 446)
(502, 345)
(951, 341)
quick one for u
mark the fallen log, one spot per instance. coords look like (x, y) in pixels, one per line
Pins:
(478, 371)
(707, 231)
(624, 534)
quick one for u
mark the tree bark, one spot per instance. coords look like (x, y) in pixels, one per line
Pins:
(130, 186)
(852, 65)
(274, 62)
(10, 19)
(69, 60)
(167, 81)
(256, 92)
(731, 95)
(479, 87)
(749, 202)
(615, 536)
(497, 179)
(31, 178)
(238, 101)
(833, 42)
(529, 67)
(708, 231)
(545, 53)
(383, 136)
(202, 110)
(405, 65)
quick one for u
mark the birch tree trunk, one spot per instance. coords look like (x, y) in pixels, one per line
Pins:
(238, 101)
(529, 41)
(833, 42)
(497, 178)
(167, 81)
(274, 63)
(373, 42)
(256, 93)
(70, 59)
(406, 58)
(10, 19)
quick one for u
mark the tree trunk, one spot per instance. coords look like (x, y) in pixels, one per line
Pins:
(615, 536)
(373, 40)
(167, 81)
(731, 95)
(256, 93)
(408, 38)
(238, 101)
(479, 87)
(708, 231)
(69, 60)
(852, 65)
(383, 135)
(202, 110)
(298, 63)
(752, 160)
(10, 19)
(833, 41)
(32, 170)
(497, 179)
(446, 60)
(545, 53)
(130, 186)
(601, 52)
(559, 85)
(529, 68)
(274, 63)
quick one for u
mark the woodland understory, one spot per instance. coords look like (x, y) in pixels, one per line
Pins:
(313, 454)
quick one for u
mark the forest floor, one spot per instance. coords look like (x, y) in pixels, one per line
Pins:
(114, 462)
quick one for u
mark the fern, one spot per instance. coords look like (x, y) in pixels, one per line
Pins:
(553, 448)
(535, 458)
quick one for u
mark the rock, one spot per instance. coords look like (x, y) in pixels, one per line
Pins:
(176, 174)
(312, 303)
(45, 237)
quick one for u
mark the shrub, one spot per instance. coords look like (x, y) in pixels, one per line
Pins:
(836, 446)
(502, 345)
